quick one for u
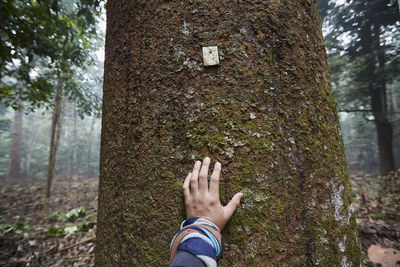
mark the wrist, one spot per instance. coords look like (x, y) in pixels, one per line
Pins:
(199, 220)
(200, 228)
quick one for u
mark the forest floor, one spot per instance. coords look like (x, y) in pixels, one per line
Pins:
(64, 233)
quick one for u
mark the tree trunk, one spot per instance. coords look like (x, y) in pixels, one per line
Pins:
(395, 107)
(89, 155)
(73, 151)
(398, 5)
(396, 128)
(55, 135)
(28, 155)
(266, 113)
(379, 108)
(14, 170)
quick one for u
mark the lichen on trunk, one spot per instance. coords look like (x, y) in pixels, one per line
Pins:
(266, 112)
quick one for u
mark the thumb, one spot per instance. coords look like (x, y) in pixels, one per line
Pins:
(231, 207)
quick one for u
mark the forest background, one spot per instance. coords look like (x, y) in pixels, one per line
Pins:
(51, 71)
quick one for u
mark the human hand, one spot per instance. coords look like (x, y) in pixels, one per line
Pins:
(202, 200)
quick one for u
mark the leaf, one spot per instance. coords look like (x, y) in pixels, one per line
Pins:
(69, 230)
(387, 257)
(55, 231)
(74, 213)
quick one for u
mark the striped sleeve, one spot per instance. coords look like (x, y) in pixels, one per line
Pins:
(197, 240)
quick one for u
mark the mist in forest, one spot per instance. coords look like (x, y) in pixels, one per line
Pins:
(78, 151)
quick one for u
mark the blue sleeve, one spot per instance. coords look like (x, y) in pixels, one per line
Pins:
(185, 259)
(198, 243)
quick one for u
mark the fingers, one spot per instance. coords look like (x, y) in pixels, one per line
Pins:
(214, 181)
(194, 179)
(203, 175)
(186, 189)
(231, 207)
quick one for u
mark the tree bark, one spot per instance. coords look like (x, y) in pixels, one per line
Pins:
(55, 135)
(266, 113)
(14, 170)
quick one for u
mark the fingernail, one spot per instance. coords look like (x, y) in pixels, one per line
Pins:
(207, 160)
(198, 163)
(218, 165)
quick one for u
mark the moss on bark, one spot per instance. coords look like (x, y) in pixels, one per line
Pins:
(266, 113)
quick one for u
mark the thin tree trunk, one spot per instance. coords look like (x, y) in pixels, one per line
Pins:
(380, 111)
(73, 149)
(398, 5)
(28, 155)
(74, 146)
(55, 135)
(395, 107)
(396, 128)
(14, 170)
(89, 155)
(266, 112)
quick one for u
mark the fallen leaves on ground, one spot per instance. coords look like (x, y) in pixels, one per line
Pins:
(387, 257)
(377, 203)
(61, 235)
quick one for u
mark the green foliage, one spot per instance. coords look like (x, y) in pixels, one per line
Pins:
(365, 261)
(346, 39)
(85, 222)
(69, 230)
(64, 230)
(71, 215)
(20, 228)
(40, 39)
(345, 35)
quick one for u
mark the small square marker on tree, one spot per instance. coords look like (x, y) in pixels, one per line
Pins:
(210, 56)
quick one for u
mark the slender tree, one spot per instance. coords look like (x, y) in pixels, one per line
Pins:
(29, 150)
(14, 170)
(89, 154)
(266, 112)
(55, 134)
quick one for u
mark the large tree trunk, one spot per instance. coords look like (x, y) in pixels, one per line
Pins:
(55, 135)
(266, 113)
(14, 170)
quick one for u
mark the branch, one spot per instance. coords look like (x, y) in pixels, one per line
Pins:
(78, 244)
(12, 263)
(364, 110)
